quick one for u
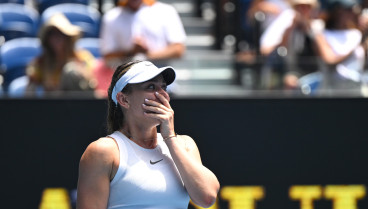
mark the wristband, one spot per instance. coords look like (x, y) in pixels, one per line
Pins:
(169, 137)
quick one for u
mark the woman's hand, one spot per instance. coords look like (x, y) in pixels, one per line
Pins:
(161, 111)
(201, 184)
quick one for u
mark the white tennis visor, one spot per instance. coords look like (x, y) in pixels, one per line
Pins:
(141, 72)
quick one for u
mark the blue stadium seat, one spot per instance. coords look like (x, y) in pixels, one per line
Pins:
(42, 5)
(18, 87)
(86, 17)
(12, 1)
(90, 44)
(15, 55)
(18, 20)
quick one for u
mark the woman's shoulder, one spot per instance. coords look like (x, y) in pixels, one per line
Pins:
(185, 137)
(187, 141)
(190, 146)
(103, 144)
(102, 150)
(99, 159)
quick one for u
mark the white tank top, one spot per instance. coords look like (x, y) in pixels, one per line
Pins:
(146, 178)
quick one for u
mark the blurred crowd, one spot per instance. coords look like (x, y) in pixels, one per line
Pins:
(308, 45)
(301, 45)
(75, 49)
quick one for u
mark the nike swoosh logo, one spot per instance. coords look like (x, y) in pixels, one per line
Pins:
(154, 162)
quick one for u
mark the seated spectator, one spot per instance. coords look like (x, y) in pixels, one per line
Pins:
(138, 29)
(340, 46)
(288, 45)
(60, 67)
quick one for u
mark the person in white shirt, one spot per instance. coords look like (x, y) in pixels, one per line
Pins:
(146, 28)
(340, 46)
(287, 43)
(138, 30)
(270, 9)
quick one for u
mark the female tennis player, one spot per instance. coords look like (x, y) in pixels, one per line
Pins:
(135, 166)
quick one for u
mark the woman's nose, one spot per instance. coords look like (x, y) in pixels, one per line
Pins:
(164, 93)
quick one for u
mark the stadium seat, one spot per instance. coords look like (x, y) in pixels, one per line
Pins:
(15, 56)
(86, 17)
(18, 20)
(42, 5)
(18, 87)
(90, 44)
(12, 1)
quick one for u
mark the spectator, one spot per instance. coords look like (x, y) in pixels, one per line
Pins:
(288, 45)
(340, 46)
(256, 16)
(270, 10)
(138, 29)
(60, 67)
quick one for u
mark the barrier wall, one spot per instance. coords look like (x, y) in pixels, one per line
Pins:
(267, 153)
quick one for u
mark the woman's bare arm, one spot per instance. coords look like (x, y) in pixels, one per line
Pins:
(95, 173)
(201, 183)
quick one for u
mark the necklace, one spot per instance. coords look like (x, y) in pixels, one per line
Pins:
(130, 136)
(141, 144)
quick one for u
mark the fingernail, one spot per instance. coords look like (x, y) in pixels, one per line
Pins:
(156, 93)
(146, 100)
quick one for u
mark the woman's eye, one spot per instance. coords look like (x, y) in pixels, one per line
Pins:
(151, 86)
(154, 87)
